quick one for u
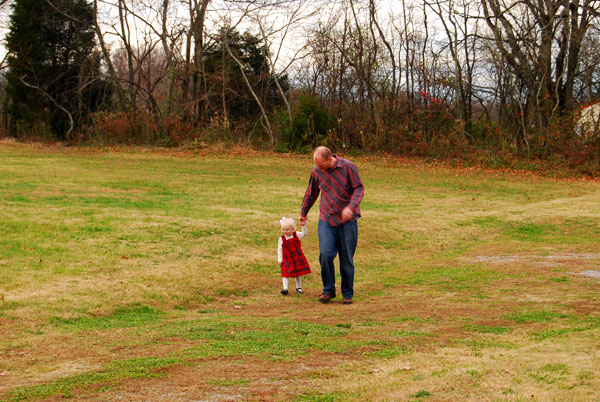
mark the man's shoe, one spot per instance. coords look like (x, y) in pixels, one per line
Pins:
(284, 292)
(325, 298)
(347, 301)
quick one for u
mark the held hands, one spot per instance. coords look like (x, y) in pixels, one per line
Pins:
(303, 220)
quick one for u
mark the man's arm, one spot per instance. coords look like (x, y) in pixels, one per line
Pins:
(310, 196)
(358, 190)
(357, 193)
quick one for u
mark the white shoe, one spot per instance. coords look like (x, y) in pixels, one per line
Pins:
(299, 290)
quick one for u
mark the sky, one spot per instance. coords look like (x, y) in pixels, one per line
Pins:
(273, 20)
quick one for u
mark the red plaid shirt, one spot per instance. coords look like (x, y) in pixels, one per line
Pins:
(339, 186)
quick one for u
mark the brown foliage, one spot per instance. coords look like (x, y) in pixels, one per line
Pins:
(140, 127)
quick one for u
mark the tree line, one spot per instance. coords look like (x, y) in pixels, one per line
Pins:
(418, 77)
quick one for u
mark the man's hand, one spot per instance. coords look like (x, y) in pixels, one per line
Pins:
(347, 214)
(303, 220)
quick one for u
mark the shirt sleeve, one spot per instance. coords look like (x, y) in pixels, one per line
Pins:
(302, 234)
(311, 194)
(280, 250)
(358, 190)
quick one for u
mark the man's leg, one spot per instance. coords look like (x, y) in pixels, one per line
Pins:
(347, 240)
(328, 251)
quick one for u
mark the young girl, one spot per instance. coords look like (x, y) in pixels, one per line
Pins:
(290, 256)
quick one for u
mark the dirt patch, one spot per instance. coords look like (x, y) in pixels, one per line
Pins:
(227, 380)
(12, 380)
(591, 274)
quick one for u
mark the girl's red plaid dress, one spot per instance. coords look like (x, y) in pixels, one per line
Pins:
(294, 262)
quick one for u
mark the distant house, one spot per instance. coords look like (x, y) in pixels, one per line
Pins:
(588, 121)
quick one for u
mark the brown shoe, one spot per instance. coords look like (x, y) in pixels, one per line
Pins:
(325, 298)
(347, 301)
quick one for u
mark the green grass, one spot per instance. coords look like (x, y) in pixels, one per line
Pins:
(484, 329)
(371, 324)
(274, 338)
(533, 232)
(130, 316)
(415, 319)
(153, 267)
(117, 370)
(556, 368)
(533, 316)
(317, 398)
(231, 383)
(387, 353)
(63, 387)
(223, 336)
(421, 394)
(408, 334)
(453, 278)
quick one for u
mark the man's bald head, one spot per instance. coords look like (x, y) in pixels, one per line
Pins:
(323, 158)
(322, 153)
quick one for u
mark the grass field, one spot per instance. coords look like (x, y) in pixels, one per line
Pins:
(135, 275)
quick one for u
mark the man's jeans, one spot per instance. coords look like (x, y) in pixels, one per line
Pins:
(333, 240)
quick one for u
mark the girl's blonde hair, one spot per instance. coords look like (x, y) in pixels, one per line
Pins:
(287, 222)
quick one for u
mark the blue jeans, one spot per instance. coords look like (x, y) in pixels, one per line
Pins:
(334, 240)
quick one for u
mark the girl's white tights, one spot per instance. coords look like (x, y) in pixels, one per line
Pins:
(286, 282)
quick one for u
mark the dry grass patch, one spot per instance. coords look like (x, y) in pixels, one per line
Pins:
(548, 371)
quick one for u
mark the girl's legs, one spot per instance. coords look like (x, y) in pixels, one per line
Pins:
(286, 283)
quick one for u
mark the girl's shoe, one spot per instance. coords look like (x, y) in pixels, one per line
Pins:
(284, 292)
(299, 290)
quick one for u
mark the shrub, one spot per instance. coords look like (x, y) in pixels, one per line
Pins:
(309, 127)
(140, 127)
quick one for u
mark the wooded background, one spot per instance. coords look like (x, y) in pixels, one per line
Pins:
(436, 78)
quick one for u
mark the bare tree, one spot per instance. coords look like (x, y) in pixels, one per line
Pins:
(293, 15)
(461, 31)
(540, 42)
(107, 58)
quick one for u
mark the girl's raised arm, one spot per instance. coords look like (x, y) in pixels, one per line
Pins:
(303, 233)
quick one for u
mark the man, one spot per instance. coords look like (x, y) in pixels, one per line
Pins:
(341, 191)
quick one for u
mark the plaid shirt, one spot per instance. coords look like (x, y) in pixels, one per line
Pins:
(340, 187)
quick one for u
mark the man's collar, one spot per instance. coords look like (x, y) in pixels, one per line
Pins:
(337, 162)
